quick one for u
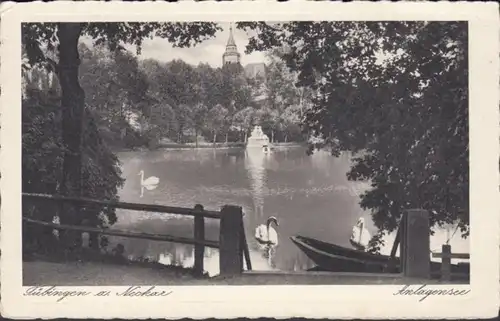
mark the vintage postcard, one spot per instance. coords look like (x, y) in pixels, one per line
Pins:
(249, 159)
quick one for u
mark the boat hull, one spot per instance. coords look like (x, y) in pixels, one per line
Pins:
(331, 257)
(335, 258)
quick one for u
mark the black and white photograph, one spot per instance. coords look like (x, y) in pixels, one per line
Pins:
(236, 152)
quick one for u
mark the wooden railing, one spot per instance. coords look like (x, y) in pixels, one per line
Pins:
(414, 241)
(232, 243)
(446, 255)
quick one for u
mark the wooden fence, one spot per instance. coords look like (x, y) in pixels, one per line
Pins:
(415, 244)
(413, 237)
(414, 240)
(446, 255)
(232, 243)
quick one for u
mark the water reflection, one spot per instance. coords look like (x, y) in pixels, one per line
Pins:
(302, 191)
(254, 164)
(310, 196)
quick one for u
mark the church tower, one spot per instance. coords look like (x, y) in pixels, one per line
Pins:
(231, 55)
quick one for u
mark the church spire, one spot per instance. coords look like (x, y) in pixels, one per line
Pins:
(231, 55)
(230, 41)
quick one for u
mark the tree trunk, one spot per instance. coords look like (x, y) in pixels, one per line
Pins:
(72, 104)
(227, 137)
(196, 137)
(246, 137)
(286, 138)
(215, 137)
(272, 136)
(179, 134)
(94, 237)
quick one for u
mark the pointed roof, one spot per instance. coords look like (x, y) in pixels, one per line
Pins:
(230, 41)
(231, 55)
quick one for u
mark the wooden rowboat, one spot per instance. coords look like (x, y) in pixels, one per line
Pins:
(335, 258)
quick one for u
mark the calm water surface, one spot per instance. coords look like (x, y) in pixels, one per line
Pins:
(309, 195)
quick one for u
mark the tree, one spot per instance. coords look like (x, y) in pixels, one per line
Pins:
(181, 83)
(198, 116)
(193, 92)
(114, 86)
(394, 94)
(284, 102)
(290, 120)
(244, 120)
(209, 85)
(280, 88)
(269, 120)
(43, 154)
(183, 116)
(227, 122)
(235, 92)
(65, 38)
(216, 117)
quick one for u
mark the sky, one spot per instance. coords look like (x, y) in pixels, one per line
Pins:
(209, 51)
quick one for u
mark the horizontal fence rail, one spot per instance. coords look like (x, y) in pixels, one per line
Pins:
(463, 256)
(232, 244)
(114, 232)
(128, 206)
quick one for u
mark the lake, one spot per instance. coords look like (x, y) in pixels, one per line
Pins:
(310, 196)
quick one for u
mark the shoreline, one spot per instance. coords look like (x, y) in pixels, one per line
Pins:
(204, 146)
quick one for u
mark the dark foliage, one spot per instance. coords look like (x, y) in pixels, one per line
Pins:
(395, 94)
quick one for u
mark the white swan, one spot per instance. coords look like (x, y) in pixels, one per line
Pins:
(265, 234)
(360, 236)
(150, 183)
(267, 237)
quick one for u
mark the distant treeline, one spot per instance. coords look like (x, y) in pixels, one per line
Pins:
(142, 103)
(175, 102)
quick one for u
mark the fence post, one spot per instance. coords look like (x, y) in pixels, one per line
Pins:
(446, 262)
(402, 242)
(244, 244)
(416, 244)
(199, 235)
(230, 247)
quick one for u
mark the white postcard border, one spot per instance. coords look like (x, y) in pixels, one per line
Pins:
(373, 301)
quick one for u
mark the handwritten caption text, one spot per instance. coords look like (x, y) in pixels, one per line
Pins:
(61, 294)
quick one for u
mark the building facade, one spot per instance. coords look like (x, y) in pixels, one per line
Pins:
(255, 70)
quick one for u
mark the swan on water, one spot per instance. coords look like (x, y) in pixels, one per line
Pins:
(360, 236)
(149, 183)
(267, 236)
